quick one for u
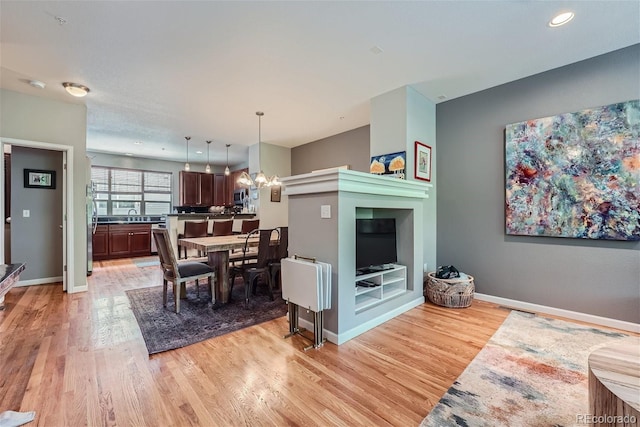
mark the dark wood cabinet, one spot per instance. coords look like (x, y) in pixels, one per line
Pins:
(206, 189)
(189, 188)
(100, 242)
(219, 190)
(121, 241)
(232, 185)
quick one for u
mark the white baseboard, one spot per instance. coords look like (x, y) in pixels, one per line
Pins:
(352, 333)
(42, 281)
(575, 315)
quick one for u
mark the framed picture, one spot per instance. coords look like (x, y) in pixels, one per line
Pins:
(423, 161)
(34, 178)
(389, 164)
(574, 174)
(275, 193)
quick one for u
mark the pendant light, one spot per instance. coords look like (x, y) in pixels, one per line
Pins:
(207, 168)
(187, 166)
(261, 179)
(227, 172)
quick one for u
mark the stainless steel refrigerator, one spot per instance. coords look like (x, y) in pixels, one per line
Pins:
(92, 223)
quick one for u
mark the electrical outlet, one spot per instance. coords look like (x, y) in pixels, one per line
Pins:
(26, 213)
(424, 268)
(325, 211)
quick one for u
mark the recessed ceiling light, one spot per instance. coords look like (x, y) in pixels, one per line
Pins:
(442, 97)
(561, 19)
(198, 152)
(37, 83)
(76, 89)
(137, 142)
(128, 154)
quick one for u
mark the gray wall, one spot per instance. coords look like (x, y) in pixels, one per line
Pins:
(596, 277)
(42, 250)
(32, 118)
(347, 148)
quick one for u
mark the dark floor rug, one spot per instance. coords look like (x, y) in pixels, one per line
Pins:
(164, 330)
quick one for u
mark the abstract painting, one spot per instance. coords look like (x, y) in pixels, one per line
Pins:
(575, 174)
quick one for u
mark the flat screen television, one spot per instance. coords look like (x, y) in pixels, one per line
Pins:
(375, 244)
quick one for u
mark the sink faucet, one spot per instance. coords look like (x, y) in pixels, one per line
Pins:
(135, 212)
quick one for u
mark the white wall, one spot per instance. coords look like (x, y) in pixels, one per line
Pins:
(274, 160)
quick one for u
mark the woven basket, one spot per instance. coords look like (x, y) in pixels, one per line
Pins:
(455, 293)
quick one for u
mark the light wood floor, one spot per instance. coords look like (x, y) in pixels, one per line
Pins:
(80, 360)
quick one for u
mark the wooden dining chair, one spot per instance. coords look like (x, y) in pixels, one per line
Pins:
(253, 269)
(282, 252)
(192, 229)
(180, 274)
(222, 228)
(248, 225)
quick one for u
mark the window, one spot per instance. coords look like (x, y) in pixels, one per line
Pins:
(130, 191)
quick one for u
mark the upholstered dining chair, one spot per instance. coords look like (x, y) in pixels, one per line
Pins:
(248, 225)
(180, 274)
(192, 229)
(251, 269)
(282, 252)
(222, 228)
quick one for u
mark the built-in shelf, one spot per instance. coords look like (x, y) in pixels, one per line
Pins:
(380, 286)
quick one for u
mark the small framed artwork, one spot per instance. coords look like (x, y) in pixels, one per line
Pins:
(275, 193)
(423, 161)
(35, 178)
(392, 164)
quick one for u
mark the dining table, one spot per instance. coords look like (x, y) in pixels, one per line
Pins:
(217, 249)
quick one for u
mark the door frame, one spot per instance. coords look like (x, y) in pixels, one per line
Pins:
(68, 247)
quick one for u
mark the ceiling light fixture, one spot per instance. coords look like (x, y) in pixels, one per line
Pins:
(207, 168)
(227, 172)
(37, 83)
(187, 166)
(76, 89)
(261, 179)
(561, 19)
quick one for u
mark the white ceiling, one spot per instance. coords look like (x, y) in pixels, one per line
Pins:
(159, 71)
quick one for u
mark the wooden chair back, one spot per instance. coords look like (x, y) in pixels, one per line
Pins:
(195, 229)
(223, 228)
(248, 225)
(165, 253)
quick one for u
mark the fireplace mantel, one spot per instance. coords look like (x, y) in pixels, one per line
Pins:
(323, 208)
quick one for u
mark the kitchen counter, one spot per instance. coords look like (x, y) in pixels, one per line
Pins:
(137, 219)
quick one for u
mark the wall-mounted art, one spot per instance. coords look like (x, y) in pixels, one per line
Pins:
(389, 164)
(35, 178)
(423, 161)
(575, 174)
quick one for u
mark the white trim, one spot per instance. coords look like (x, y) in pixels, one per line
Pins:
(575, 315)
(364, 327)
(331, 180)
(68, 189)
(41, 281)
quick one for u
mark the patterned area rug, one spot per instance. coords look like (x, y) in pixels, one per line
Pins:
(532, 372)
(164, 330)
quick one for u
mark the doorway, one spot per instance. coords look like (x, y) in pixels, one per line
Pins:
(63, 219)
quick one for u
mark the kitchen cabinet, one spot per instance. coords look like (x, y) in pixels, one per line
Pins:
(232, 184)
(204, 189)
(189, 188)
(121, 241)
(220, 197)
(100, 242)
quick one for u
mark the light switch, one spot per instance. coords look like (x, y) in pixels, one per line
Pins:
(26, 213)
(325, 211)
